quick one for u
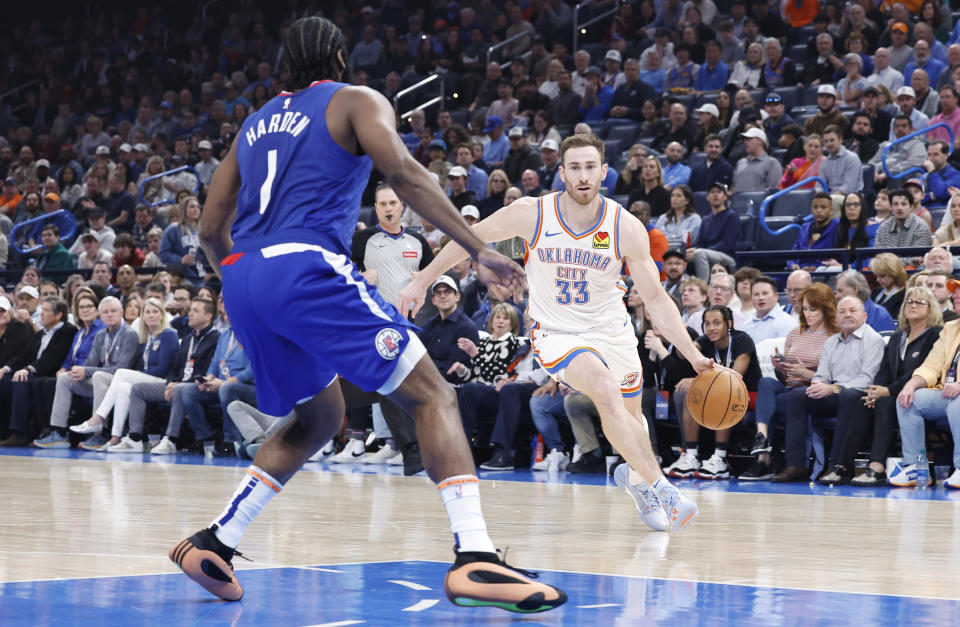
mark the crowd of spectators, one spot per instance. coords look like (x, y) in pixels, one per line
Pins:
(117, 123)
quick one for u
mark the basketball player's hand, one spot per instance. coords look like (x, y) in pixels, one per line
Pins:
(492, 267)
(412, 297)
(702, 364)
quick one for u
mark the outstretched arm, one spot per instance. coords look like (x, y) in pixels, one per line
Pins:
(635, 247)
(518, 219)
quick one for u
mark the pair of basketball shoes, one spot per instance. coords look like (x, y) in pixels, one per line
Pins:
(474, 580)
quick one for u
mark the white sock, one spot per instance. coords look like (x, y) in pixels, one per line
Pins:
(661, 484)
(722, 454)
(252, 495)
(461, 498)
(635, 479)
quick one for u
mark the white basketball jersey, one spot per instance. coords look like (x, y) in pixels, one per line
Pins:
(575, 278)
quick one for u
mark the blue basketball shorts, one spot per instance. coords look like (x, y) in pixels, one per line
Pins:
(305, 315)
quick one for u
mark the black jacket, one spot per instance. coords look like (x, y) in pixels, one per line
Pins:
(892, 304)
(14, 340)
(47, 364)
(894, 373)
(202, 354)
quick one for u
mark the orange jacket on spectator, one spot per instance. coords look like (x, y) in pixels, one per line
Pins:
(9, 206)
(797, 16)
(940, 358)
(658, 246)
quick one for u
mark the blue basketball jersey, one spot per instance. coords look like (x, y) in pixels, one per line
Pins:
(297, 183)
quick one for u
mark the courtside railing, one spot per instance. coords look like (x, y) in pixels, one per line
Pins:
(168, 201)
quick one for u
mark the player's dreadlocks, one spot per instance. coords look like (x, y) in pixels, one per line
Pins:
(310, 48)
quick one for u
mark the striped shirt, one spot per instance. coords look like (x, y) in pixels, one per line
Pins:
(805, 346)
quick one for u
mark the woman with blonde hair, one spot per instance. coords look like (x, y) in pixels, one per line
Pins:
(181, 242)
(651, 189)
(949, 232)
(497, 186)
(920, 322)
(158, 349)
(795, 368)
(154, 191)
(891, 280)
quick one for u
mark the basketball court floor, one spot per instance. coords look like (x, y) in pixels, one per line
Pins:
(84, 538)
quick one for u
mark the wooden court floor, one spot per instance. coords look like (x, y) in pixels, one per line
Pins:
(78, 518)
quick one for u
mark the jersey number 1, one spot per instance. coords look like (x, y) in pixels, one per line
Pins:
(267, 188)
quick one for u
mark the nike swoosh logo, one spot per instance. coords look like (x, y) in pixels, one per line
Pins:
(552, 234)
(359, 454)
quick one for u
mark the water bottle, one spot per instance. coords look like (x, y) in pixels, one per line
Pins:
(923, 470)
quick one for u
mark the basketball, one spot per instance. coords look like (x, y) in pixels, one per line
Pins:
(717, 399)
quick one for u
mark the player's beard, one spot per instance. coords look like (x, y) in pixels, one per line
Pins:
(583, 198)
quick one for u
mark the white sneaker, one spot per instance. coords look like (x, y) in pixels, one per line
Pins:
(714, 468)
(685, 466)
(382, 456)
(87, 427)
(648, 505)
(577, 453)
(353, 453)
(396, 460)
(164, 447)
(903, 476)
(953, 481)
(554, 461)
(325, 451)
(679, 509)
(125, 445)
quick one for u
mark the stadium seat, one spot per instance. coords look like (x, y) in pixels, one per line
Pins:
(695, 159)
(596, 50)
(802, 35)
(937, 214)
(687, 100)
(789, 94)
(783, 241)
(368, 215)
(703, 99)
(597, 128)
(746, 236)
(614, 148)
(868, 183)
(777, 153)
(700, 203)
(758, 95)
(622, 199)
(797, 52)
(564, 131)
(625, 133)
(461, 117)
(747, 203)
(809, 95)
(792, 204)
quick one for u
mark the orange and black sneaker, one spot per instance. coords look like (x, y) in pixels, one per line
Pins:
(484, 580)
(206, 560)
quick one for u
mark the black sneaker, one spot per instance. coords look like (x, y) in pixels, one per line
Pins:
(501, 460)
(206, 560)
(761, 444)
(484, 580)
(757, 472)
(589, 463)
(224, 449)
(870, 479)
(412, 462)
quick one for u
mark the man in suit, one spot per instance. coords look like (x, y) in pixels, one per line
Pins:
(113, 347)
(22, 378)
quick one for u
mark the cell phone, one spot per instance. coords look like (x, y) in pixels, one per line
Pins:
(200, 379)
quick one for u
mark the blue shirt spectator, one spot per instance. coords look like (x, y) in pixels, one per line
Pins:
(718, 231)
(655, 78)
(595, 108)
(82, 343)
(230, 360)
(942, 176)
(158, 353)
(440, 333)
(497, 148)
(676, 174)
(816, 234)
(711, 79)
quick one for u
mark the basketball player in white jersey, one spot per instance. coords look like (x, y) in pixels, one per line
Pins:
(577, 244)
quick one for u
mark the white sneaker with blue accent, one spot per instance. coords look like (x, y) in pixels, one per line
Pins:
(903, 476)
(679, 509)
(648, 505)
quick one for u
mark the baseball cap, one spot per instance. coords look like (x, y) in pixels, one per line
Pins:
(102, 150)
(952, 285)
(30, 291)
(204, 145)
(141, 148)
(870, 89)
(470, 210)
(43, 163)
(167, 105)
(827, 89)
(438, 143)
(773, 99)
(493, 122)
(718, 185)
(673, 252)
(457, 171)
(900, 26)
(96, 212)
(5, 304)
(516, 131)
(756, 134)
(9, 181)
(613, 54)
(709, 108)
(593, 69)
(51, 196)
(906, 91)
(367, 9)
(448, 281)
(916, 182)
(90, 235)
(125, 148)
(549, 144)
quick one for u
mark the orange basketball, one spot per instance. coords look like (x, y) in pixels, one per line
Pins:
(717, 399)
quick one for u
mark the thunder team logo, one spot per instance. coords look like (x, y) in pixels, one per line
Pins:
(601, 239)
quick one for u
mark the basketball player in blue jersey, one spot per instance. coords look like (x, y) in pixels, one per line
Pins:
(290, 186)
(578, 243)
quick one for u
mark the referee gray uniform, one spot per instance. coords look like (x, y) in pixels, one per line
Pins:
(394, 257)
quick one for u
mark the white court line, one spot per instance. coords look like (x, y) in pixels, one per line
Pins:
(319, 570)
(409, 584)
(598, 605)
(426, 604)
(729, 583)
(339, 623)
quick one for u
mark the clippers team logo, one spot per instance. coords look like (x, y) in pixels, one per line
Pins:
(601, 240)
(388, 343)
(631, 380)
(286, 103)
